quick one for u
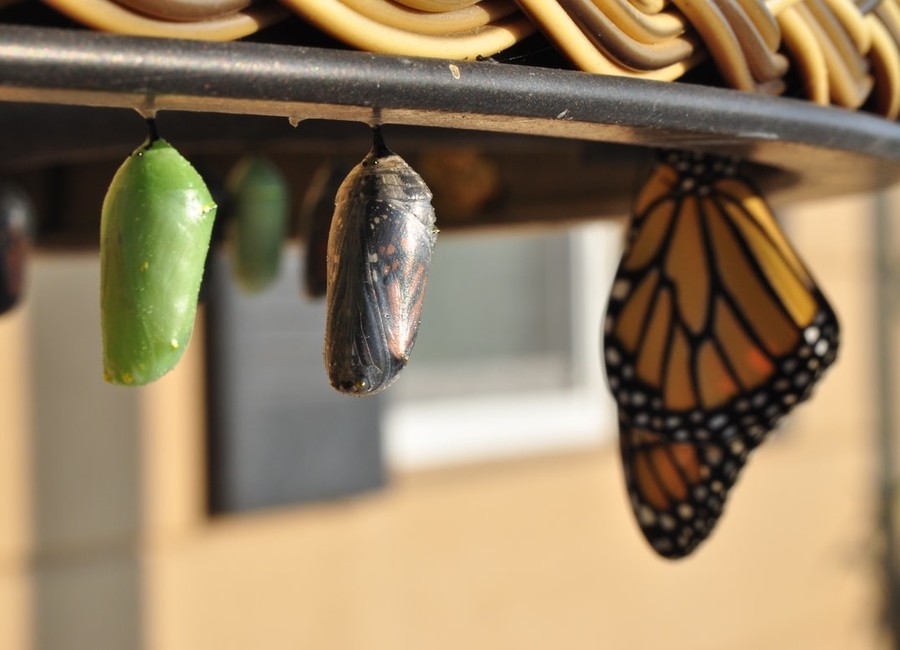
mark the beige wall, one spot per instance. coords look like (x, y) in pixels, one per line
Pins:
(15, 498)
(103, 542)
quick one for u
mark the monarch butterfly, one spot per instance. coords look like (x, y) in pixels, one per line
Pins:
(16, 216)
(155, 228)
(259, 210)
(714, 331)
(379, 252)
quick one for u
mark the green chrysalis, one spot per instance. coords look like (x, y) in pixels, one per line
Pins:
(154, 236)
(259, 210)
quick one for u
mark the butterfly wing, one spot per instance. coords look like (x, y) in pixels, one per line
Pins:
(714, 331)
(678, 487)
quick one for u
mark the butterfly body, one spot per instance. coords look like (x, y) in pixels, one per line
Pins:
(714, 331)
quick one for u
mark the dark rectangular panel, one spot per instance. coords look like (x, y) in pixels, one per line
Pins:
(279, 434)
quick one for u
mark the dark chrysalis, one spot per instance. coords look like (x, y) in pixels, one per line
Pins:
(316, 213)
(155, 230)
(379, 252)
(16, 215)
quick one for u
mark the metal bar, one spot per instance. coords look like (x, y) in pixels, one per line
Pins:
(837, 150)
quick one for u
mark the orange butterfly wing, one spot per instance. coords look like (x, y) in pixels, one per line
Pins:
(714, 331)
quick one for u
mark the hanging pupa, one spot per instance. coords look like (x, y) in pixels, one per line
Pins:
(259, 207)
(16, 217)
(379, 253)
(155, 229)
(316, 213)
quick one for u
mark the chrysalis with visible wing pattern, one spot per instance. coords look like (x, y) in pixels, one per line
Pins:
(379, 252)
(155, 229)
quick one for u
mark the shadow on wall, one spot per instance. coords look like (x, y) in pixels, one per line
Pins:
(85, 471)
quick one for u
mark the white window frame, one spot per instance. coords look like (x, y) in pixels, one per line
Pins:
(426, 433)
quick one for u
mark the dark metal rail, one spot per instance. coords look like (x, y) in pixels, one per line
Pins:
(822, 151)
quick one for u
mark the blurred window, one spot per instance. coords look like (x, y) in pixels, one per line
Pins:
(506, 363)
(507, 360)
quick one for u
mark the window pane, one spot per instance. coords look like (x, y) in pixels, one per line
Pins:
(496, 316)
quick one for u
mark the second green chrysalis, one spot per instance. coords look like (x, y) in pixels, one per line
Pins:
(260, 210)
(155, 230)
